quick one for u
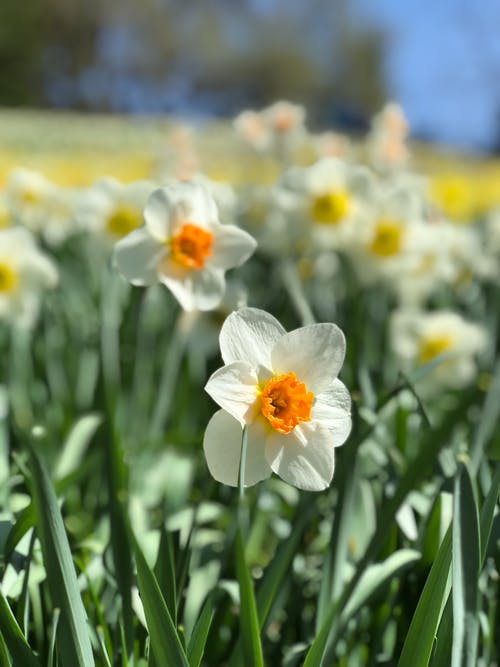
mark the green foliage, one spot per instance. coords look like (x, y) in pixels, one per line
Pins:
(117, 548)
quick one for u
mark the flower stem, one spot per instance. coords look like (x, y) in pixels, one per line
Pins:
(169, 376)
(242, 513)
(243, 458)
(295, 291)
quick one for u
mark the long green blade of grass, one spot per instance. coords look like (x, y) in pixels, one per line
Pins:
(249, 621)
(338, 547)
(73, 636)
(419, 641)
(116, 468)
(279, 566)
(4, 653)
(323, 646)
(25, 521)
(465, 572)
(164, 640)
(13, 637)
(165, 572)
(442, 655)
(200, 632)
(375, 578)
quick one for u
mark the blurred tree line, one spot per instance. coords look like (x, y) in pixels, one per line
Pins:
(214, 56)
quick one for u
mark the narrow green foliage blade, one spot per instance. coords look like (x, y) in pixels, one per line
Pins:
(73, 638)
(200, 632)
(4, 653)
(333, 569)
(375, 577)
(25, 520)
(117, 506)
(13, 638)
(53, 635)
(249, 622)
(165, 572)
(164, 639)
(465, 572)
(419, 641)
(76, 443)
(442, 655)
(488, 421)
(488, 511)
(416, 471)
(280, 564)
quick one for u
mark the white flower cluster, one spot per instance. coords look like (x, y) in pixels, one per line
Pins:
(349, 215)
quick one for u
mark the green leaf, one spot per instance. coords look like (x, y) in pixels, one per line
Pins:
(419, 641)
(249, 622)
(279, 566)
(165, 572)
(164, 639)
(4, 653)
(117, 506)
(13, 637)
(25, 520)
(76, 443)
(488, 511)
(102, 645)
(73, 637)
(199, 635)
(417, 469)
(333, 567)
(442, 655)
(53, 634)
(375, 577)
(487, 423)
(465, 572)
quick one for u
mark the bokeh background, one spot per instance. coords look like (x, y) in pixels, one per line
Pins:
(340, 58)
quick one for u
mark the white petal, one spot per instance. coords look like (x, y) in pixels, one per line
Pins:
(137, 257)
(194, 290)
(232, 246)
(222, 447)
(158, 214)
(234, 388)
(194, 204)
(305, 457)
(249, 334)
(314, 353)
(332, 409)
(176, 204)
(38, 270)
(209, 285)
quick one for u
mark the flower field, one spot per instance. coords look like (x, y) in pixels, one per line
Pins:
(249, 395)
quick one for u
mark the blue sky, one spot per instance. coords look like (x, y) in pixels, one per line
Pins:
(442, 63)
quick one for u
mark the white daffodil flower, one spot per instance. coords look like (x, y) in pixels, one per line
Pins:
(24, 273)
(277, 126)
(184, 246)
(333, 196)
(113, 209)
(419, 337)
(385, 242)
(284, 388)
